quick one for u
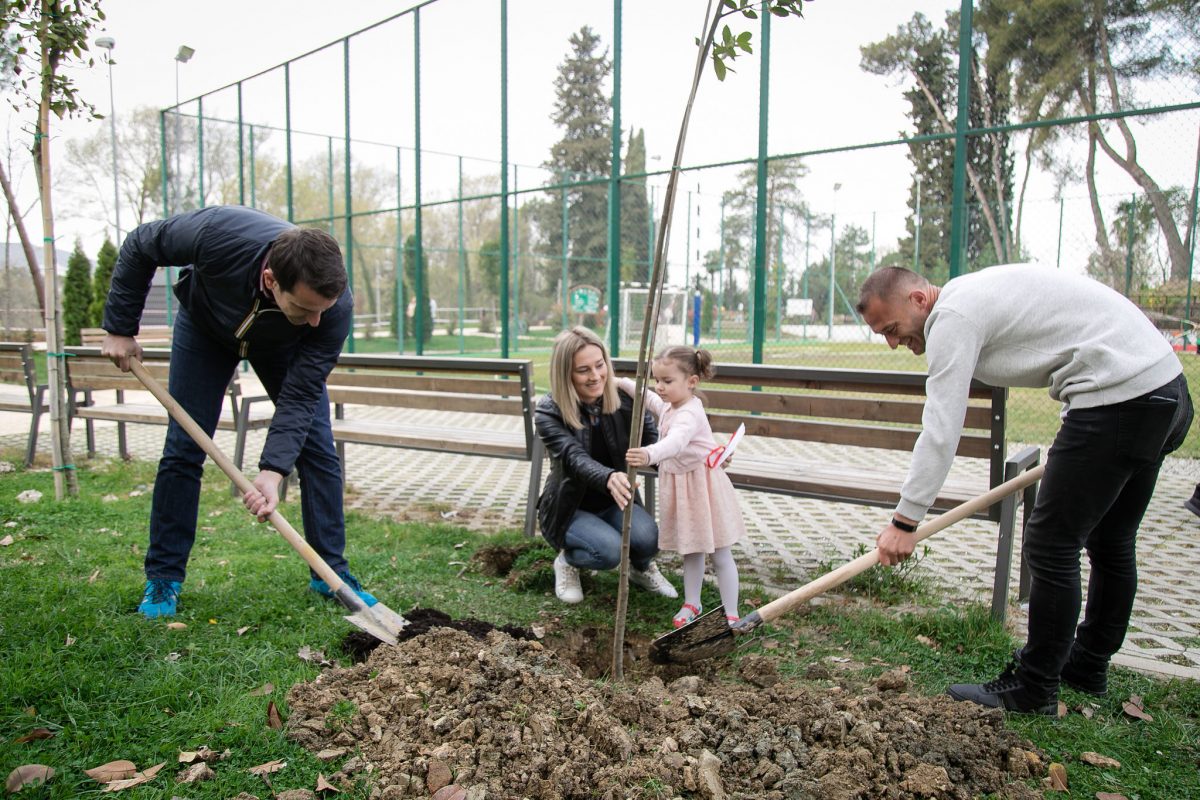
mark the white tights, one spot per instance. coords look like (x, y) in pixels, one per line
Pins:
(727, 578)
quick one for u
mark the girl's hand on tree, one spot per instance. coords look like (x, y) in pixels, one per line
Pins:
(637, 457)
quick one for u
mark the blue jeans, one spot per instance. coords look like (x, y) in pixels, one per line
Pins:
(593, 539)
(1100, 474)
(200, 372)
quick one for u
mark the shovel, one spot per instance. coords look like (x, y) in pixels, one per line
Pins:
(377, 620)
(712, 635)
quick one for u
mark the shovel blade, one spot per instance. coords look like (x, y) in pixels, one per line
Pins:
(707, 636)
(379, 621)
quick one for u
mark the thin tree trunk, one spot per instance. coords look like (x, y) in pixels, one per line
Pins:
(984, 206)
(1021, 195)
(60, 434)
(1129, 163)
(30, 254)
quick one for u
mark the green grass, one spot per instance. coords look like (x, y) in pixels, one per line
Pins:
(77, 660)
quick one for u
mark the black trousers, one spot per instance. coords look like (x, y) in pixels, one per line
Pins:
(1100, 474)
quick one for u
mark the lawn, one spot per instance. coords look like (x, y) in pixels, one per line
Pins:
(76, 661)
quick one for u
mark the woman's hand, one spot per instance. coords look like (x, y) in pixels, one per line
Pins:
(618, 487)
(637, 457)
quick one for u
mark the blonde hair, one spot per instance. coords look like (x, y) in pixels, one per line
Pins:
(562, 364)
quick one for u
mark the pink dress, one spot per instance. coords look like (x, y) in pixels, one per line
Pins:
(698, 506)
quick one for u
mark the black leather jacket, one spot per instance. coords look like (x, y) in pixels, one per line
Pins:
(572, 469)
(221, 249)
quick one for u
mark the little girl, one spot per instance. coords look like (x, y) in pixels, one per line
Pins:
(699, 508)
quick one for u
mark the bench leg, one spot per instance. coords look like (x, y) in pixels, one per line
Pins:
(91, 439)
(650, 492)
(239, 447)
(1030, 498)
(122, 444)
(1004, 546)
(31, 448)
(535, 487)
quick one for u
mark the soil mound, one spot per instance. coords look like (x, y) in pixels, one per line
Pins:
(505, 718)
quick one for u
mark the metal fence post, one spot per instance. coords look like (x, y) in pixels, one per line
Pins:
(565, 245)
(462, 261)
(1129, 244)
(420, 295)
(957, 213)
(516, 260)
(287, 123)
(504, 178)
(200, 152)
(760, 210)
(348, 202)
(614, 197)
(241, 154)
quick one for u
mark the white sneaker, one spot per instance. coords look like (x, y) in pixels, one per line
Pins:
(652, 581)
(566, 581)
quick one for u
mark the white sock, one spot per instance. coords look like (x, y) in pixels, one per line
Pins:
(727, 579)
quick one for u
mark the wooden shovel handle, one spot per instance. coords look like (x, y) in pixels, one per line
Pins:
(780, 606)
(243, 483)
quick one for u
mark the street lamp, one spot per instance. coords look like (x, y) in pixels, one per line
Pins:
(182, 57)
(833, 257)
(107, 43)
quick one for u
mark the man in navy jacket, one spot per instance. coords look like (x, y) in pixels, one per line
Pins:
(258, 288)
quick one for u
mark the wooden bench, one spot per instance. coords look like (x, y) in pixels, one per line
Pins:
(494, 397)
(148, 336)
(88, 372)
(864, 410)
(17, 369)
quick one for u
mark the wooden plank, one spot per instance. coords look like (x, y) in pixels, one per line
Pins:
(147, 414)
(426, 383)
(464, 403)
(831, 407)
(465, 441)
(839, 433)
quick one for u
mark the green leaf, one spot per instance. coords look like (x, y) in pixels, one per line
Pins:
(727, 35)
(719, 68)
(730, 4)
(750, 14)
(778, 11)
(744, 37)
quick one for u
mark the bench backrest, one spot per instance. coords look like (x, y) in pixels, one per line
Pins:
(147, 335)
(16, 366)
(88, 371)
(466, 385)
(862, 408)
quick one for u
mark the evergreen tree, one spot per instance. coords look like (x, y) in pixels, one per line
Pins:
(635, 213)
(77, 295)
(410, 291)
(583, 111)
(106, 260)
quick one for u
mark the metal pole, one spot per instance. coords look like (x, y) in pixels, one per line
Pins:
(957, 215)
(1058, 254)
(917, 230)
(348, 202)
(200, 151)
(516, 260)
(287, 117)
(241, 151)
(401, 306)
(760, 210)
(504, 179)
(779, 279)
(253, 190)
(1129, 244)
(832, 261)
(462, 261)
(162, 138)
(565, 277)
(687, 266)
(721, 274)
(329, 179)
(112, 119)
(804, 280)
(614, 196)
(419, 290)
(873, 241)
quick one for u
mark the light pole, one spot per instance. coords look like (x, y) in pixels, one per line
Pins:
(107, 43)
(833, 257)
(917, 230)
(182, 57)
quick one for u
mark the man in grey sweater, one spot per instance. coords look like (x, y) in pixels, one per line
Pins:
(1125, 406)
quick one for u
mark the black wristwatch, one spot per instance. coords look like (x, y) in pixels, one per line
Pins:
(907, 527)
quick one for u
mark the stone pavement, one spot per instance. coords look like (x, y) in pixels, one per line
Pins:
(790, 539)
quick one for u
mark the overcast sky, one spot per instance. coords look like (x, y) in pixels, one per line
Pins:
(819, 95)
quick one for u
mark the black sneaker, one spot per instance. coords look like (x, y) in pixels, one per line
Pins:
(1086, 673)
(1007, 692)
(1192, 504)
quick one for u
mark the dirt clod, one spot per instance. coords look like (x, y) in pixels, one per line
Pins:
(359, 644)
(510, 718)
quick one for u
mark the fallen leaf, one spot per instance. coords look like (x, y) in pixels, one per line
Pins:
(137, 780)
(188, 756)
(95, 574)
(268, 768)
(1087, 711)
(30, 711)
(28, 775)
(112, 771)
(176, 626)
(1097, 760)
(205, 753)
(312, 656)
(324, 785)
(195, 773)
(1062, 709)
(263, 690)
(1136, 699)
(212, 622)
(1110, 796)
(274, 721)
(242, 631)
(172, 657)
(1058, 778)
(34, 735)
(6, 541)
(70, 640)
(1135, 711)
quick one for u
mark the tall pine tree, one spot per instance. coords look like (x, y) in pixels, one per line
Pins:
(583, 110)
(106, 260)
(77, 295)
(635, 212)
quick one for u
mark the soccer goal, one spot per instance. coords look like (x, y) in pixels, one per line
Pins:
(672, 317)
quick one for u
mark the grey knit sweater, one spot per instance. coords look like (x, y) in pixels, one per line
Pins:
(1027, 325)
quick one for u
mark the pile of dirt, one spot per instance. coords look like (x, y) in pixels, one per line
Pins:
(359, 644)
(503, 717)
